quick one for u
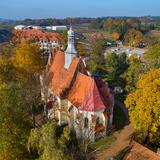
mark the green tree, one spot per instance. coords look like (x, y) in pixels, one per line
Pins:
(15, 125)
(152, 57)
(7, 49)
(115, 25)
(6, 68)
(51, 141)
(115, 66)
(143, 106)
(133, 23)
(133, 38)
(28, 65)
(96, 58)
(132, 73)
(64, 39)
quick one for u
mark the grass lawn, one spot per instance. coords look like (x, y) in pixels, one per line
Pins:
(102, 143)
(121, 154)
(119, 118)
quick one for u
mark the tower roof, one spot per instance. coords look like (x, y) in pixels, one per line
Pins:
(70, 32)
(71, 46)
(71, 50)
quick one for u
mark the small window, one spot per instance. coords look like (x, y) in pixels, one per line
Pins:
(97, 121)
(85, 122)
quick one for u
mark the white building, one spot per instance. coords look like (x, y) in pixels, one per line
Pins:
(85, 103)
(57, 28)
(23, 27)
(20, 27)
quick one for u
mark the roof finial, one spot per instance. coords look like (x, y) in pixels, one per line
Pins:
(70, 26)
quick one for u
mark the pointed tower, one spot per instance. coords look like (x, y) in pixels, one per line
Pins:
(70, 52)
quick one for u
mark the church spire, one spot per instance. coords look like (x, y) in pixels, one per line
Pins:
(70, 52)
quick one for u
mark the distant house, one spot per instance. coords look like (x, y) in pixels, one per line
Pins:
(20, 27)
(56, 28)
(85, 103)
(23, 27)
(45, 40)
(139, 152)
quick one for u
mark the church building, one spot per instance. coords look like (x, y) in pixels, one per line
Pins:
(73, 97)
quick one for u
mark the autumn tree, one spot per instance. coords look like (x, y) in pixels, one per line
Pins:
(143, 106)
(27, 57)
(133, 23)
(6, 68)
(52, 142)
(116, 36)
(7, 49)
(28, 64)
(133, 38)
(15, 125)
(115, 25)
(152, 56)
(80, 49)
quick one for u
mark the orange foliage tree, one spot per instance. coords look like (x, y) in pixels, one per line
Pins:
(116, 36)
(80, 49)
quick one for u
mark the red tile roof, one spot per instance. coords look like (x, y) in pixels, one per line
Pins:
(85, 94)
(62, 78)
(33, 34)
(139, 152)
(80, 89)
(75, 85)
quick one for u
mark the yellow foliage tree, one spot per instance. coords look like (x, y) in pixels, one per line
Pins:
(28, 63)
(27, 57)
(144, 105)
(116, 36)
(133, 38)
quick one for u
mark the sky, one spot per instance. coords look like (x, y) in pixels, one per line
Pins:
(36, 9)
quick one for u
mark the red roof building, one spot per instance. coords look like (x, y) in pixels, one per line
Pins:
(68, 79)
(45, 40)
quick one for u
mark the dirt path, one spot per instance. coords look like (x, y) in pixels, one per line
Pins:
(123, 139)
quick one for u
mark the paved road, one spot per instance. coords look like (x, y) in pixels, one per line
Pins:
(128, 50)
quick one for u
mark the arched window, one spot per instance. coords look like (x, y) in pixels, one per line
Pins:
(85, 122)
(97, 121)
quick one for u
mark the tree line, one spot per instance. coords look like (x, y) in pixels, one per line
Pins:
(140, 81)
